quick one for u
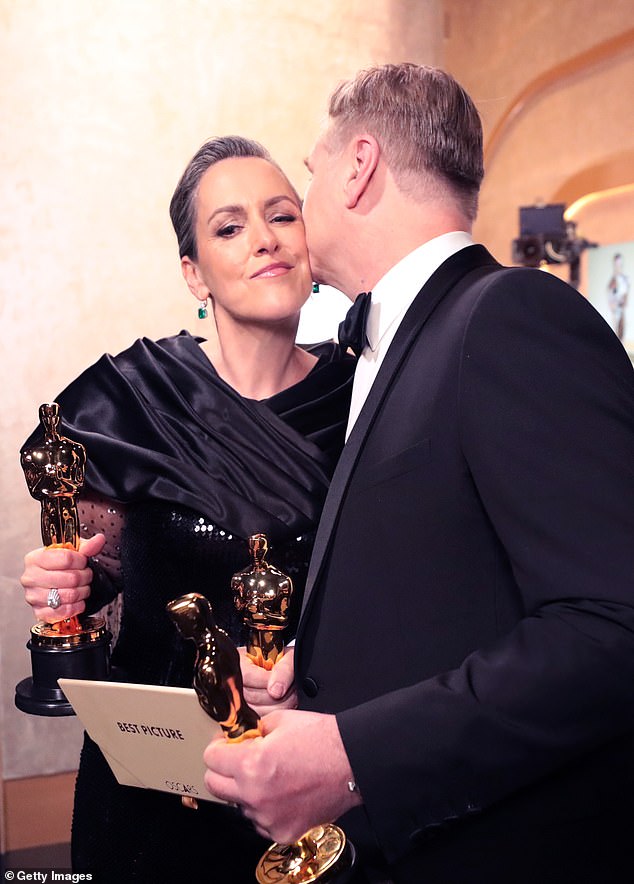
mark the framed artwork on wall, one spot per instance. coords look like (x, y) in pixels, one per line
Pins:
(610, 288)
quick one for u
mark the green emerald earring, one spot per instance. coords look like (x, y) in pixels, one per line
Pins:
(315, 288)
(202, 310)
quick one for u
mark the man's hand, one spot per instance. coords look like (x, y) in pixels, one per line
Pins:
(268, 690)
(294, 777)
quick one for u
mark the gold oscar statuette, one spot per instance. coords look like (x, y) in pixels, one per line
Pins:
(77, 647)
(262, 594)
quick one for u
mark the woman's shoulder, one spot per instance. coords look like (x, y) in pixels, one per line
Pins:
(144, 347)
(112, 377)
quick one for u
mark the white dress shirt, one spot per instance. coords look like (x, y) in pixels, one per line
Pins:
(391, 297)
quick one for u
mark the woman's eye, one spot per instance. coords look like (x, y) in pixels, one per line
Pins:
(284, 218)
(228, 230)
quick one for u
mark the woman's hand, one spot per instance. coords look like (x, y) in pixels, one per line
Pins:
(65, 569)
(266, 690)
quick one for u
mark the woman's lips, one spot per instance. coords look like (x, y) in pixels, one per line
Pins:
(272, 270)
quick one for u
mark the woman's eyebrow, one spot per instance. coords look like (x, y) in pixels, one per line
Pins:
(283, 197)
(233, 210)
(240, 210)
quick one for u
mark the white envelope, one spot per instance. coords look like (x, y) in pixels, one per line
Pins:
(152, 736)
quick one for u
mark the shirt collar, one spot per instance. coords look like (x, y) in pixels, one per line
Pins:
(395, 291)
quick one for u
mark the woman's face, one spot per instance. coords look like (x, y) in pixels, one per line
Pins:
(252, 255)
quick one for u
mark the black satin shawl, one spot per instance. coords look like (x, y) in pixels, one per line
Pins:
(159, 423)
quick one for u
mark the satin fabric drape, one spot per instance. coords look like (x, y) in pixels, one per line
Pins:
(159, 423)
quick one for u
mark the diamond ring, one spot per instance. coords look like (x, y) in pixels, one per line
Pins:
(53, 599)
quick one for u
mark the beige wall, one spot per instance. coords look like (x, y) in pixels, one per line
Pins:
(102, 104)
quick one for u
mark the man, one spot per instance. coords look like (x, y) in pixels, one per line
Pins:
(465, 658)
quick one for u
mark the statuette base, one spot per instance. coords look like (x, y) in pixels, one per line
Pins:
(323, 854)
(56, 654)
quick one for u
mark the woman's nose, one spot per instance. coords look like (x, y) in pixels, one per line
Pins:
(264, 238)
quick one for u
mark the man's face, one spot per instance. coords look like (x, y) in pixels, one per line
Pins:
(322, 208)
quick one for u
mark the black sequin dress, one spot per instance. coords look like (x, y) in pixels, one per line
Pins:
(199, 469)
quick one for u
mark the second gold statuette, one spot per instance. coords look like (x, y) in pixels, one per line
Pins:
(262, 593)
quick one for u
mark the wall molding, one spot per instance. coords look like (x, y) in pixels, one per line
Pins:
(554, 78)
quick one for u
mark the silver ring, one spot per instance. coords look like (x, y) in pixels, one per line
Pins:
(53, 599)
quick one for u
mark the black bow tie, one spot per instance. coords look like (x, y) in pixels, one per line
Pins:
(352, 329)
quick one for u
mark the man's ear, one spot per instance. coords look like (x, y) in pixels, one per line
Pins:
(364, 158)
(192, 277)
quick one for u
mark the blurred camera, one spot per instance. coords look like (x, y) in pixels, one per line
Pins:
(544, 236)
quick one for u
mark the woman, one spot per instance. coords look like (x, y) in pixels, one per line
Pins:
(193, 446)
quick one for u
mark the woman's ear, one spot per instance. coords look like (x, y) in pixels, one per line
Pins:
(192, 277)
(364, 158)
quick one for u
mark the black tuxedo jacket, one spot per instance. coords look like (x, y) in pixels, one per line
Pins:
(469, 614)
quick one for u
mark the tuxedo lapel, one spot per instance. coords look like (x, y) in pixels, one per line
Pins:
(439, 284)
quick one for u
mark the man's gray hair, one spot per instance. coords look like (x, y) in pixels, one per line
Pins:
(424, 121)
